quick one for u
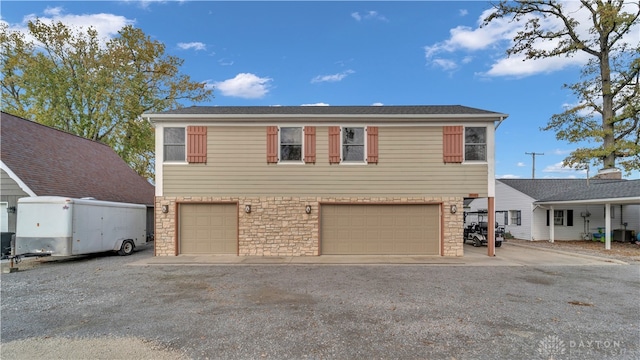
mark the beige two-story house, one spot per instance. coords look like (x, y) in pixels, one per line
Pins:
(319, 180)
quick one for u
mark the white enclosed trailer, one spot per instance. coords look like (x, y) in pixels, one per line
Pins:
(60, 226)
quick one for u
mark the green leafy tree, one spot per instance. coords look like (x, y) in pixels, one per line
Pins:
(607, 112)
(69, 79)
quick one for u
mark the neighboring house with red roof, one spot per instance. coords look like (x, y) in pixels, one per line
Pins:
(38, 160)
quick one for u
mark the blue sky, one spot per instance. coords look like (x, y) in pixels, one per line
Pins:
(351, 53)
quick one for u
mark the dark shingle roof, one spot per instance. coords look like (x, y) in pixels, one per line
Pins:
(331, 110)
(55, 163)
(605, 190)
(574, 189)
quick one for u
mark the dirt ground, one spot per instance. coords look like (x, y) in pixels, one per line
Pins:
(629, 252)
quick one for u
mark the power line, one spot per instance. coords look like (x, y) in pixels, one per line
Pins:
(533, 169)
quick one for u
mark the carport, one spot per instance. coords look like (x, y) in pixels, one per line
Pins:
(623, 192)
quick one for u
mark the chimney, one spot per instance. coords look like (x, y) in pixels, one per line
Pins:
(608, 174)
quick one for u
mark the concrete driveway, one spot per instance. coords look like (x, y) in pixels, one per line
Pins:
(507, 255)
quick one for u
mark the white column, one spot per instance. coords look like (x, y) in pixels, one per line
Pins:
(552, 228)
(607, 226)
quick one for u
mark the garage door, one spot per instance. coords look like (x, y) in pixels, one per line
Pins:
(208, 229)
(380, 229)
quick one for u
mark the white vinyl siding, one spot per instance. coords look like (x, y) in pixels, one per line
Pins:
(507, 198)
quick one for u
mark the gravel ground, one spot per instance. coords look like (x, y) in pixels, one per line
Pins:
(98, 307)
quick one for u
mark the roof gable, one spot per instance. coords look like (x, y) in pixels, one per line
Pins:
(55, 163)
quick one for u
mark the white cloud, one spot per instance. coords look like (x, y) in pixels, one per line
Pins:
(316, 104)
(107, 25)
(470, 39)
(377, 104)
(225, 62)
(192, 45)
(508, 176)
(463, 12)
(561, 152)
(145, 4)
(521, 164)
(53, 11)
(369, 15)
(559, 168)
(445, 64)
(244, 85)
(519, 66)
(332, 78)
(497, 36)
(467, 59)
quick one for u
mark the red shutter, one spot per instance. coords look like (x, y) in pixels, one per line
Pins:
(334, 144)
(372, 144)
(197, 144)
(452, 144)
(310, 144)
(272, 144)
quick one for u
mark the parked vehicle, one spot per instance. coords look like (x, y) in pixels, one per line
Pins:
(477, 229)
(59, 226)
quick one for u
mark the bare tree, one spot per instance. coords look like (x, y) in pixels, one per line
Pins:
(608, 93)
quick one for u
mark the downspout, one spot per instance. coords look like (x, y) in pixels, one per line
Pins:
(502, 118)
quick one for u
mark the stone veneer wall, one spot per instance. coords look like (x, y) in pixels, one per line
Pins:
(279, 225)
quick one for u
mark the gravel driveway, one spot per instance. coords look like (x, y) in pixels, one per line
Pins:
(99, 307)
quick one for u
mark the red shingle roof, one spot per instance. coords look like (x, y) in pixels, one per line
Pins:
(55, 163)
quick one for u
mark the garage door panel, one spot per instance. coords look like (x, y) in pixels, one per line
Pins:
(380, 229)
(208, 229)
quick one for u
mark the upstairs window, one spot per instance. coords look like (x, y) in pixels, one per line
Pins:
(353, 144)
(286, 145)
(291, 144)
(475, 144)
(174, 144)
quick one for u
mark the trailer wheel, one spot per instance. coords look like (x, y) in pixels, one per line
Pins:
(498, 243)
(126, 248)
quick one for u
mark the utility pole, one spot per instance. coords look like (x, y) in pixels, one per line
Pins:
(533, 169)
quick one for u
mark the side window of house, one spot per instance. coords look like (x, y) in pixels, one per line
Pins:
(174, 144)
(290, 144)
(353, 144)
(558, 217)
(515, 217)
(475, 144)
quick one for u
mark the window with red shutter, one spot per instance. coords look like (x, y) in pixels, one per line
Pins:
(272, 144)
(334, 144)
(197, 144)
(310, 144)
(372, 144)
(452, 143)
